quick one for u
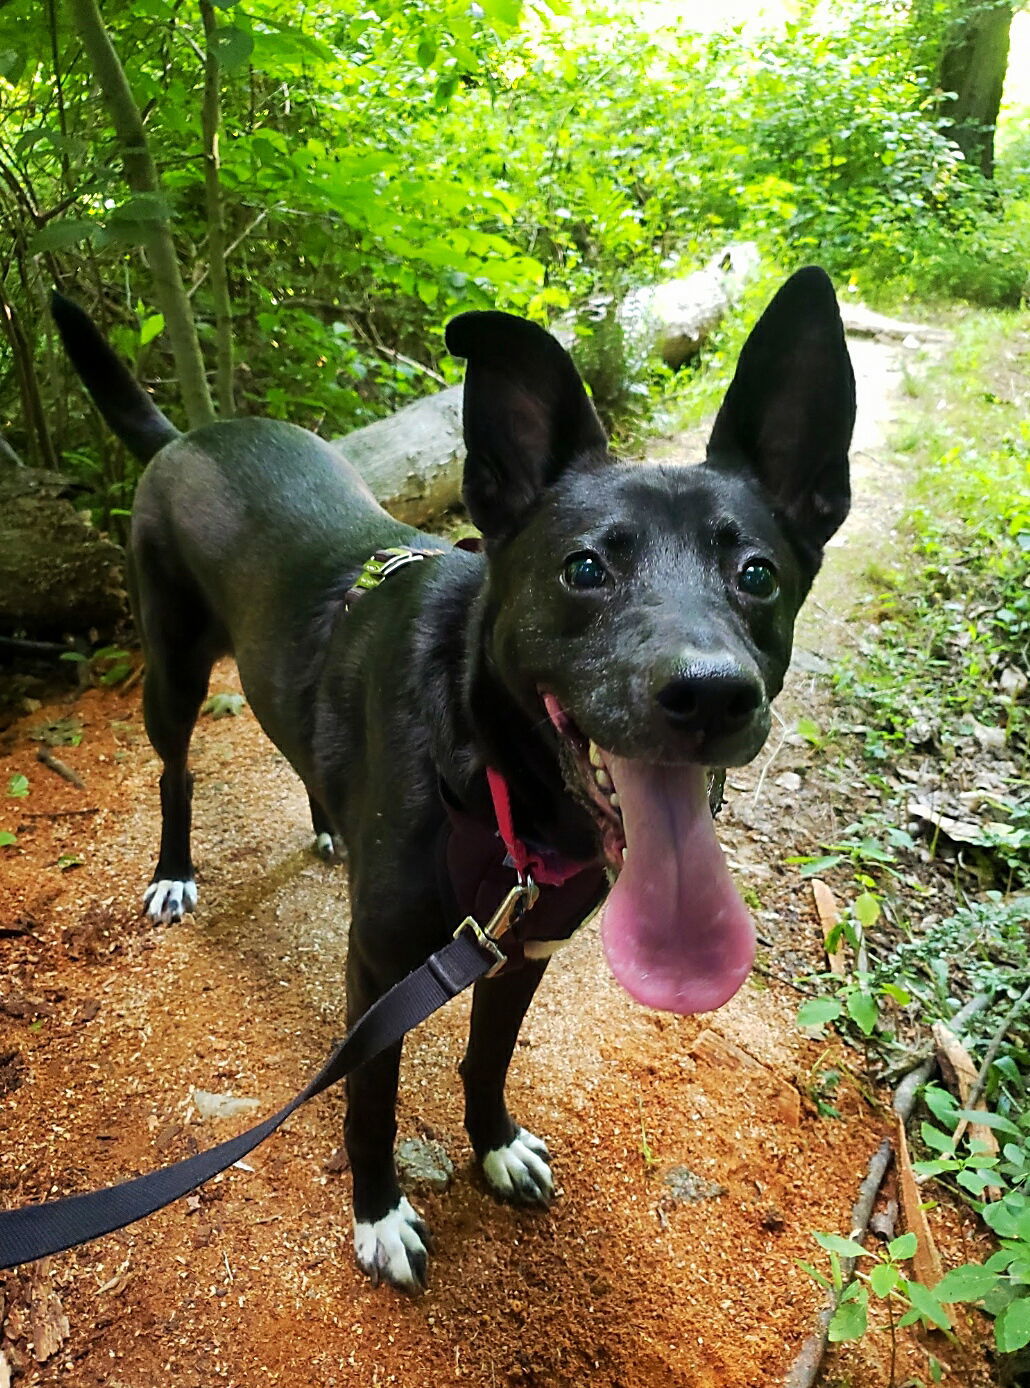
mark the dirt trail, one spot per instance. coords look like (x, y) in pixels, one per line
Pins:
(690, 1158)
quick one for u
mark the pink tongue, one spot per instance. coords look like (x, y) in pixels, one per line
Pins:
(676, 934)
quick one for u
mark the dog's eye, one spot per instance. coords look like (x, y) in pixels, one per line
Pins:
(758, 579)
(584, 571)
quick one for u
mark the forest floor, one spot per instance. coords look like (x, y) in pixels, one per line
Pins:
(692, 1159)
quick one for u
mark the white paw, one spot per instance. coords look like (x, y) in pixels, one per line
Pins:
(165, 901)
(520, 1172)
(394, 1249)
(324, 847)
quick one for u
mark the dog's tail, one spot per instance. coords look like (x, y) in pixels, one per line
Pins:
(125, 405)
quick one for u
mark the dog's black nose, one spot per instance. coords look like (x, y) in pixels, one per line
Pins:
(710, 697)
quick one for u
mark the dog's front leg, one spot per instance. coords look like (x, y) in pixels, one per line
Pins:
(391, 1243)
(515, 1163)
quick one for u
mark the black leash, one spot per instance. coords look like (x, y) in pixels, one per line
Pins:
(36, 1231)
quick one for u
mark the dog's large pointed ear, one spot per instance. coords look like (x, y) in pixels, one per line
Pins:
(527, 416)
(790, 409)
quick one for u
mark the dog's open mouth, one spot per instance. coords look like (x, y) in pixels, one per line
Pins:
(676, 934)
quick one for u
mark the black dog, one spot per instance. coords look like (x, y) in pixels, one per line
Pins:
(625, 629)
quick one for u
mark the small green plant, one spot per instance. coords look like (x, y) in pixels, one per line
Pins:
(1001, 1285)
(886, 1281)
(18, 787)
(7, 839)
(223, 705)
(108, 665)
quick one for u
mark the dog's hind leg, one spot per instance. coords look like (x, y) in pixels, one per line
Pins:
(179, 654)
(515, 1164)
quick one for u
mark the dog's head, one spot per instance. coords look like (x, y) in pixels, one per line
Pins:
(644, 614)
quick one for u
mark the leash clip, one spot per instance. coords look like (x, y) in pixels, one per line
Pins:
(519, 900)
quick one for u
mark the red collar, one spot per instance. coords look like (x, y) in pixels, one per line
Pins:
(544, 868)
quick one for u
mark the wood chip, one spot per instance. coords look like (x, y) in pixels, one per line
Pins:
(48, 1325)
(829, 919)
(927, 1260)
(716, 1051)
(960, 1074)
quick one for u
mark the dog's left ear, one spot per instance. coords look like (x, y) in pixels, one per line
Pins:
(790, 409)
(527, 416)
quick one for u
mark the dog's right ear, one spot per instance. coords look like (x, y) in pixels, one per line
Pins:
(527, 416)
(790, 409)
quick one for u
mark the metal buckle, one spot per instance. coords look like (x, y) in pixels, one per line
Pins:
(521, 898)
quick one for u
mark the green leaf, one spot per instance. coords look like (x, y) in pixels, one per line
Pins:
(1012, 1328)
(847, 1248)
(941, 1104)
(933, 1137)
(1003, 1219)
(927, 1305)
(56, 236)
(867, 910)
(815, 1274)
(150, 327)
(969, 1282)
(69, 860)
(7, 838)
(990, 1120)
(899, 995)
(809, 731)
(12, 64)
(818, 1011)
(232, 46)
(850, 1318)
(18, 787)
(903, 1247)
(863, 1011)
(883, 1279)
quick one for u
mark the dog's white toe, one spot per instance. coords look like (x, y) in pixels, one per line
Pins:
(166, 901)
(394, 1249)
(520, 1171)
(324, 847)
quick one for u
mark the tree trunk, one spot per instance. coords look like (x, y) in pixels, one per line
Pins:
(155, 230)
(216, 237)
(971, 77)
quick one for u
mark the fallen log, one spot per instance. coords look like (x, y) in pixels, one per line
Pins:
(57, 574)
(413, 459)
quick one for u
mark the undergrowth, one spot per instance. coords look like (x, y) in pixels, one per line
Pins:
(935, 715)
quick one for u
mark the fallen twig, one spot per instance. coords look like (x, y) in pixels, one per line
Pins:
(48, 759)
(59, 814)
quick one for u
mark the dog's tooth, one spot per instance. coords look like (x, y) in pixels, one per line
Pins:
(595, 756)
(624, 855)
(614, 801)
(603, 779)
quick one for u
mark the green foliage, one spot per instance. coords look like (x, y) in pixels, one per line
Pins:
(18, 787)
(385, 168)
(1001, 1284)
(885, 1279)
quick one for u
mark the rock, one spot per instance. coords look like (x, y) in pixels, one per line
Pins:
(423, 1168)
(210, 1105)
(686, 1187)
